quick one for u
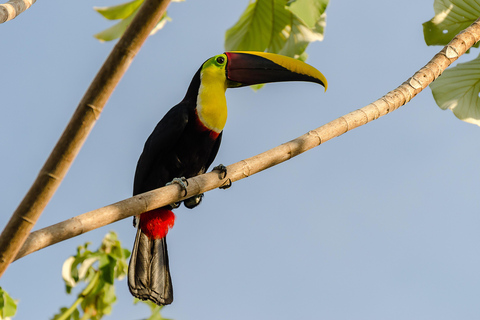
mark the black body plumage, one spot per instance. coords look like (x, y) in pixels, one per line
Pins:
(177, 147)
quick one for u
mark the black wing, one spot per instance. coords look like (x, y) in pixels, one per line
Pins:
(150, 173)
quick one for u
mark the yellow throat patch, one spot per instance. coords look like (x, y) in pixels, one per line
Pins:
(211, 101)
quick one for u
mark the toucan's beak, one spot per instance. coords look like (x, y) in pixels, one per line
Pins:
(245, 68)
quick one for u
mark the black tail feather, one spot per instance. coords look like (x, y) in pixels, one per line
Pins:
(148, 271)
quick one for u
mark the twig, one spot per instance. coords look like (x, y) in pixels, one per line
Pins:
(13, 8)
(77, 130)
(245, 168)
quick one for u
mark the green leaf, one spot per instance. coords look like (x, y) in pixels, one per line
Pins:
(8, 306)
(115, 31)
(107, 268)
(279, 27)
(451, 17)
(75, 315)
(108, 298)
(301, 36)
(67, 273)
(85, 267)
(120, 11)
(310, 11)
(253, 30)
(154, 309)
(64, 314)
(60, 314)
(458, 90)
(161, 23)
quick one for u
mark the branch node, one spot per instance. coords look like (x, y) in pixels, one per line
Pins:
(246, 168)
(80, 224)
(429, 69)
(414, 83)
(391, 99)
(389, 108)
(472, 39)
(290, 150)
(451, 52)
(420, 79)
(316, 134)
(347, 127)
(95, 110)
(378, 113)
(52, 176)
(26, 219)
(367, 120)
(405, 95)
(438, 68)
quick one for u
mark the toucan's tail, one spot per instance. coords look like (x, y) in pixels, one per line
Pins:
(148, 271)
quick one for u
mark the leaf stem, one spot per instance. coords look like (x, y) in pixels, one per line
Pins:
(72, 308)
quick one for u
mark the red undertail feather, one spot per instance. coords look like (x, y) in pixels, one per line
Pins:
(156, 223)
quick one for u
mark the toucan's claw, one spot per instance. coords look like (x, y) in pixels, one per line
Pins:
(222, 169)
(175, 205)
(227, 184)
(182, 182)
(222, 175)
(194, 201)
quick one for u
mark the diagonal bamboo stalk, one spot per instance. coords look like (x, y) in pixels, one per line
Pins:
(245, 168)
(13, 8)
(77, 130)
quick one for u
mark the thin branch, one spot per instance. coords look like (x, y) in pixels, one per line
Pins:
(77, 130)
(245, 168)
(13, 8)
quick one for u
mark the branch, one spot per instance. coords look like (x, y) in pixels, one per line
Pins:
(77, 130)
(245, 168)
(13, 8)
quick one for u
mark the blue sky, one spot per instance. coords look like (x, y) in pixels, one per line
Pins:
(380, 223)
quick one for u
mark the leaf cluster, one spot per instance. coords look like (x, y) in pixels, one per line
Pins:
(98, 270)
(279, 26)
(458, 88)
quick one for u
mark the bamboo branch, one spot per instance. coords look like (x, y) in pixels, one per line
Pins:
(13, 8)
(245, 168)
(77, 130)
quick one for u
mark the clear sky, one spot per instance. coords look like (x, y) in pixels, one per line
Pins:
(380, 223)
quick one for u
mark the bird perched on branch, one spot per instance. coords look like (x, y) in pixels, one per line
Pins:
(184, 144)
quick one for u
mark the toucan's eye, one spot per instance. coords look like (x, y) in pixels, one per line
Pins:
(220, 60)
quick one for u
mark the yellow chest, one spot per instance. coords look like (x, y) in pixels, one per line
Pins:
(212, 104)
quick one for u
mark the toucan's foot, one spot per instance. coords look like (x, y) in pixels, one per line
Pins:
(222, 175)
(222, 169)
(194, 201)
(182, 182)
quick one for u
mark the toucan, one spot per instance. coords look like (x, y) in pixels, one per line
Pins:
(184, 144)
